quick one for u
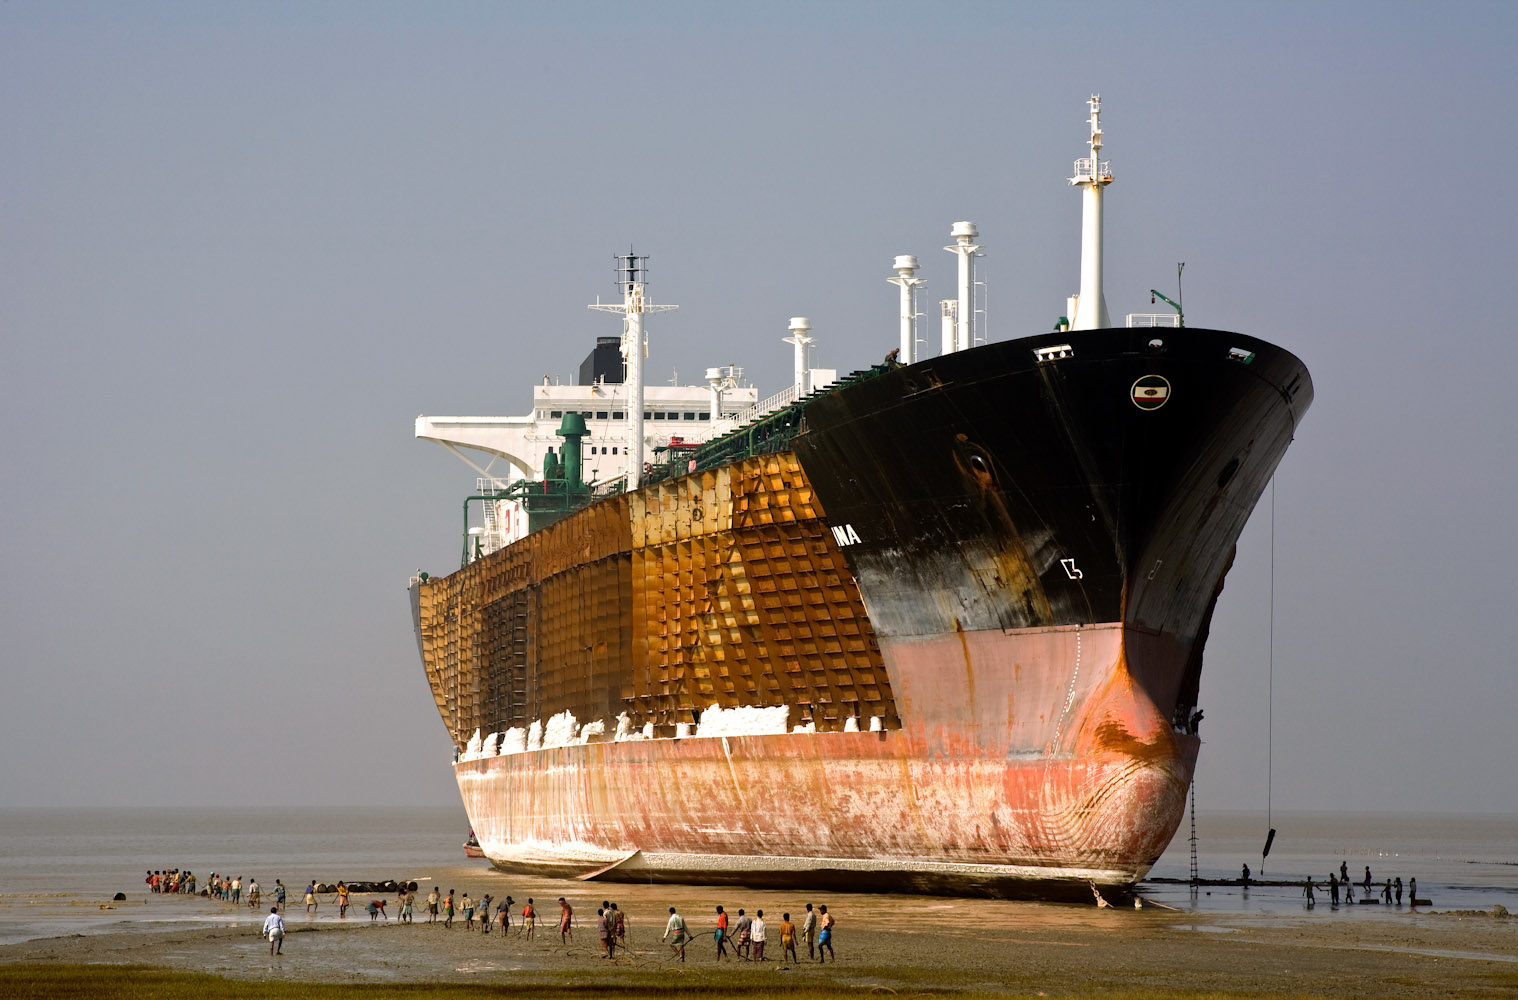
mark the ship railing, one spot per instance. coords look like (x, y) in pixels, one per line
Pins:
(1083, 170)
(783, 398)
(1153, 319)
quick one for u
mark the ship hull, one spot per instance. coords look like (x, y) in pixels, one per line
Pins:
(1000, 564)
(1008, 803)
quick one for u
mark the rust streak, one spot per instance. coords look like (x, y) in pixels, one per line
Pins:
(1114, 736)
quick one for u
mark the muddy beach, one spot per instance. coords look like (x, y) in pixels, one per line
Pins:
(899, 943)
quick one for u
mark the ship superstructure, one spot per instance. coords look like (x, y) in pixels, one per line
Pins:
(935, 625)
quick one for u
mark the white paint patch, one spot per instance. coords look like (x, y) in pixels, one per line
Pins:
(744, 721)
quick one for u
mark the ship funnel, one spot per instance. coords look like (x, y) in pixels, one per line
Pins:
(572, 429)
(906, 279)
(1092, 175)
(966, 249)
(800, 327)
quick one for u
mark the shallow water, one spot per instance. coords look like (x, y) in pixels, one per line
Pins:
(1461, 861)
(59, 868)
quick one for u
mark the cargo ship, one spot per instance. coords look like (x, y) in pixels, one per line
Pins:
(936, 625)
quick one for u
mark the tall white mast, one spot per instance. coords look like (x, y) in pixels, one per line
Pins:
(800, 327)
(634, 306)
(906, 279)
(1092, 174)
(967, 250)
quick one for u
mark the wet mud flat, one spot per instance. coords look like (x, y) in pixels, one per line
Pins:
(900, 944)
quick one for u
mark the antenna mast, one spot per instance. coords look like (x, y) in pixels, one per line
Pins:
(635, 305)
(1092, 175)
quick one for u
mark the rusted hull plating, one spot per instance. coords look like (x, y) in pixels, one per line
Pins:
(1058, 773)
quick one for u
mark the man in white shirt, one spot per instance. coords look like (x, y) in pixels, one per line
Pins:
(758, 931)
(675, 933)
(274, 930)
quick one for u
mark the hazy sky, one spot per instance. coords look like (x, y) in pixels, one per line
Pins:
(244, 245)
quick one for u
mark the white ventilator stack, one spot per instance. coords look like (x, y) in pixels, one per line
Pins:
(721, 380)
(800, 326)
(950, 309)
(906, 279)
(634, 349)
(965, 248)
(1088, 310)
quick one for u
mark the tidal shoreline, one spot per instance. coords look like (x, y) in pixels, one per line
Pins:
(895, 943)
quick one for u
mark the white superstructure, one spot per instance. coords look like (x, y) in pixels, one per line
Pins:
(669, 411)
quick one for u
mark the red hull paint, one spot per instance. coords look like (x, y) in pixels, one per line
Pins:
(1023, 757)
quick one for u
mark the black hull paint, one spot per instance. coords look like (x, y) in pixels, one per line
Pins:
(991, 490)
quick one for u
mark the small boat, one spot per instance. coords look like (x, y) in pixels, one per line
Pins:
(472, 847)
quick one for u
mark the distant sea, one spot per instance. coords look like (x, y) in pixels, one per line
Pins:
(59, 868)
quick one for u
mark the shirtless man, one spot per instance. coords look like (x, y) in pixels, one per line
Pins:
(787, 938)
(503, 915)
